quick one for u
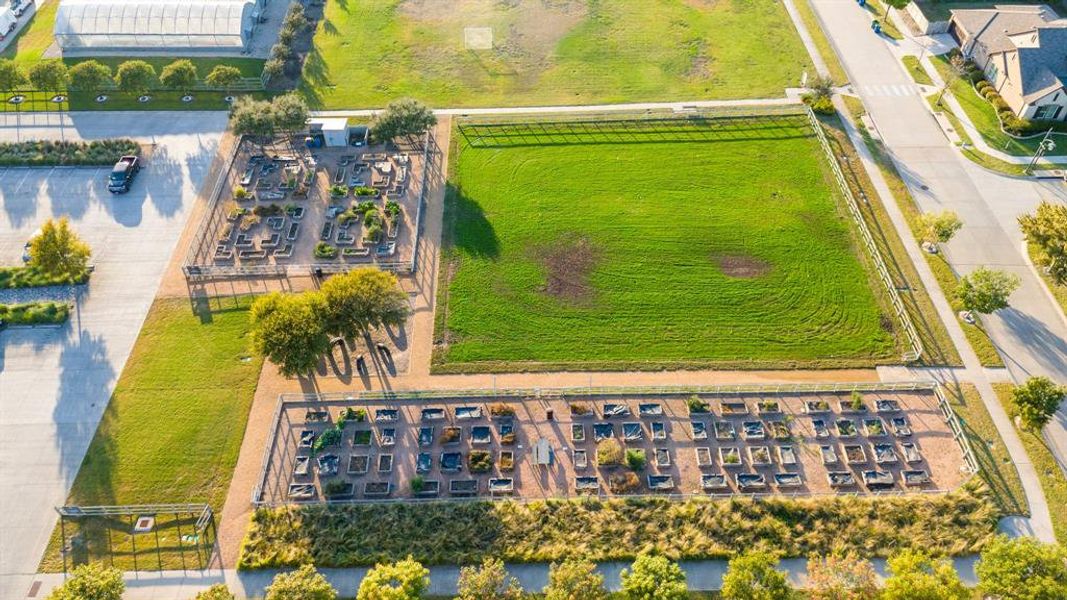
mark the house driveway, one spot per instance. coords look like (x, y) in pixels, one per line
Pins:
(55, 383)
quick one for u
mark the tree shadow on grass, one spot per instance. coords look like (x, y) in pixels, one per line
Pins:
(468, 228)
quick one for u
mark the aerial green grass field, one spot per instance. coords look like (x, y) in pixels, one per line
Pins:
(175, 423)
(687, 245)
(368, 52)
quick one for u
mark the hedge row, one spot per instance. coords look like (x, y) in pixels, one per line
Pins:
(24, 277)
(957, 523)
(35, 313)
(49, 153)
(1011, 122)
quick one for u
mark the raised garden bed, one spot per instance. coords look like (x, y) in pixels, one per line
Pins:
(307, 438)
(451, 435)
(385, 463)
(429, 488)
(338, 489)
(423, 462)
(874, 427)
(816, 406)
(915, 477)
(886, 406)
(660, 483)
(506, 460)
(581, 409)
(623, 482)
(700, 430)
(501, 410)
(829, 455)
(659, 431)
(329, 464)
(730, 457)
(302, 466)
(734, 408)
(433, 414)
(361, 437)
(479, 461)
(615, 410)
(663, 457)
(581, 459)
(900, 426)
(703, 456)
(358, 464)
(481, 435)
(874, 479)
(377, 489)
(577, 432)
(779, 430)
(820, 428)
(468, 412)
(788, 480)
(748, 481)
(911, 453)
(463, 487)
(451, 462)
(501, 485)
(386, 415)
(603, 431)
(586, 483)
(301, 491)
(387, 436)
(753, 430)
(697, 406)
(884, 454)
(713, 481)
(609, 453)
(426, 436)
(759, 456)
(840, 479)
(632, 432)
(650, 409)
(724, 430)
(769, 407)
(846, 428)
(854, 454)
(506, 429)
(787, 455)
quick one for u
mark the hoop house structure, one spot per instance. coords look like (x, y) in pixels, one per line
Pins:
(150, 24)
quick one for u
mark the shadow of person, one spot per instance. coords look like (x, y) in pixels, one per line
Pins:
(342, 371)
(397, 335)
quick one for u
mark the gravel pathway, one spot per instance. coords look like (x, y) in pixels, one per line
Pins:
(58, 293)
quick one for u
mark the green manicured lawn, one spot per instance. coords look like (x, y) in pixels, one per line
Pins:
(822, 43)
(29, 45)
(35, 313)
(916, 70)
(716, 243)
(994, 462)
(1053, 481)
(173, 429)
(984, 118)
(368, 52)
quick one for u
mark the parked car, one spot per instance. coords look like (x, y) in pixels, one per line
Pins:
(29, 245)
(122, 174)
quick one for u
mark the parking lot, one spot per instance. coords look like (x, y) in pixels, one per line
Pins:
(57, 382)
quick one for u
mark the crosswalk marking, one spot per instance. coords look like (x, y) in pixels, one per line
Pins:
(890, 90)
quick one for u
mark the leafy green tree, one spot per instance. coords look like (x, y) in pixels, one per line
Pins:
(135, 77)
(986, 290)
(304, 583)
(89, 76)
(287, 329)
(290, 112)
(1037, 400)
(1047, 229)
(654, 578)
(179, 75)
(274, 67)
(404, 580)
(12, 76)
(252, 117)
(575, 580)
(402, 118)
(49, 75)
(490, 581)
(1022, 569)
(58, 251)
(753, 576)
(914, 575)
(223, 77)
(897, 4)
(91, 581)
(219, 591)
(841, 577)
(361, 299)
(938, 228)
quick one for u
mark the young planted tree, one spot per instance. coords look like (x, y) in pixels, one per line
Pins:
(12, 76)
(1047, 229)
(49, 75)
(223, 77)
(402, 118)
(1022, 569)
(1037, 400)
(490, 581)
(938, 228)
(753, 576)
(179, 75)
(986, 290)
(575, 580)
(957, 68)
(135, 77)
(91, 581)
(914, 574)
(304, 583)
(58, 251)
(362, 299)
(841, 577)
(89, 76)
(253, 118)
(287, 329)
(654, 577)
(219, 591)
(404, 580)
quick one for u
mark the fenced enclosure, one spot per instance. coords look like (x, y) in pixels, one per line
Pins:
(137, 537)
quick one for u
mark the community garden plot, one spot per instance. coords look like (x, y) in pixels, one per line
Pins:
(665, 242)
(343, 449)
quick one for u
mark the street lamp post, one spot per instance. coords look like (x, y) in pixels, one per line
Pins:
(1046, 145)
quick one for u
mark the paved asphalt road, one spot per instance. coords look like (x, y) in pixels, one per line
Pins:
(55, 383)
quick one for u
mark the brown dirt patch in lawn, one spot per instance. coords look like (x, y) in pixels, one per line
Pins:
(567, 269)
(740, 266)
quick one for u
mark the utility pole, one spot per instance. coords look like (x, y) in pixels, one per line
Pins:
(1045, 145)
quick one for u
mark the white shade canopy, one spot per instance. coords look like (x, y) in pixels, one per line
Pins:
(154, 23)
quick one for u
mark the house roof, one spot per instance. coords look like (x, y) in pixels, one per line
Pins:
(1036, 33)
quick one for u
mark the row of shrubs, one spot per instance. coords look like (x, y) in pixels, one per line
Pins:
(282, 51)
(957, 523)
(35, 313)
(1012, 123)
(131, 76)
(48, 153)
(24, 277)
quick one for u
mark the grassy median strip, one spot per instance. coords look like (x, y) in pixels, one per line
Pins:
(174, 426)
(822, 43)
(956, 523)
(35, 313)
(916, 70)
(946, 277)
(1053, 481)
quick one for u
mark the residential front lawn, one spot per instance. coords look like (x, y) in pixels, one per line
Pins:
(173, 428)
(916, 70)
(368, 52)
(706, 243)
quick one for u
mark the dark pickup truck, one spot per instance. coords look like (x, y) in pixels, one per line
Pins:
(122, 174)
